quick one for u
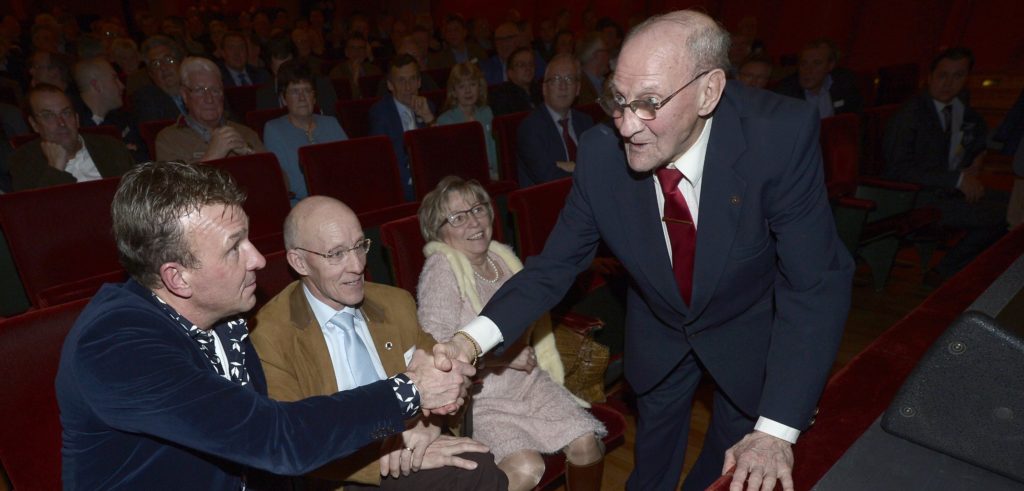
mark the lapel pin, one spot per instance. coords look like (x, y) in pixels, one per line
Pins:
(388, 345)
(734, 200)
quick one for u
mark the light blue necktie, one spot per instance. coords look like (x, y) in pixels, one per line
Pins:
(356, 354)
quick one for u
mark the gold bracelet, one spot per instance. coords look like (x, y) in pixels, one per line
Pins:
(476, 347)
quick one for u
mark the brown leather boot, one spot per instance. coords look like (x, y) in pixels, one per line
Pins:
(584, 477)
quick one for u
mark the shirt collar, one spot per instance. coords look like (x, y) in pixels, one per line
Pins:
(322, 311)
(557, 117)
(691, 162)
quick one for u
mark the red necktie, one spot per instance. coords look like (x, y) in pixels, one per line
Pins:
(570, 145)
(681, 232)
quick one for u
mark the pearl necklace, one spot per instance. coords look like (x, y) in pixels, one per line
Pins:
(494, 271)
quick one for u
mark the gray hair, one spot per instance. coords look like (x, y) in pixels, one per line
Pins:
(564, 57)
(589, 47)
(194, 64)
(707, 43)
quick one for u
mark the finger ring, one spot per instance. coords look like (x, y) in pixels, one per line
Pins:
(407, 448)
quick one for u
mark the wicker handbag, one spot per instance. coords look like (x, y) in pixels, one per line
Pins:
(584, 358)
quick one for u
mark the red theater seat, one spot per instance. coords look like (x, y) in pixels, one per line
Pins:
(456, 149)
(61, 239)
(257, 119)
(242, 99)
(149, 129)
(267, 203)
(354, 115)
(30, 439)
(505, 129)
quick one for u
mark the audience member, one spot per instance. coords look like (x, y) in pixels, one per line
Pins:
(281, 50)
(832, 89)
(456, 49)
(235, 68)
(520, 92)
(403, 109)
(162, 99)
(408, 45)
(545, 43)
(611, 33)
(158, 382)
(467, 101)
(203, 133)
(547, 138)
(565, 43)
(302, 39)
(49, 68)
(593, 56)
(356, 64)
(520, 410)
(481, 31)
(755, 71)
(61, 155)
(938, 141)
(124, 55)
(332, 331)
(102, 95)
(506, 39)
(300, 127)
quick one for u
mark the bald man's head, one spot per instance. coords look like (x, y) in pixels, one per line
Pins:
(326, 246)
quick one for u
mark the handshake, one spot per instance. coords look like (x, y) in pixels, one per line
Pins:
(442, 378)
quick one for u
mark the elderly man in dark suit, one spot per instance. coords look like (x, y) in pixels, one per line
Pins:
(403, 109)
(714, 201)
(61, 155)
(938, 141)
(159, 385)
(832, 89)
(547, 139)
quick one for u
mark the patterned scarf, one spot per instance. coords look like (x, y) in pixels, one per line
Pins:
(232, 334)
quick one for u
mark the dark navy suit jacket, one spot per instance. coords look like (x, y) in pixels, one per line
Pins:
(141, 408)
(384, 120)
(256, 74)
(539, 145)
(771, 284)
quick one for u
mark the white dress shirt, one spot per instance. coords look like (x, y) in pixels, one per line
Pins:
(81, 165)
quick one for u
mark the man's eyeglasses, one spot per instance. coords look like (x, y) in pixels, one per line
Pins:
(336, 256)
(562, 79)
(645, 109)
(167, 60)
(49, 117)
(202, 91)
(460, 218)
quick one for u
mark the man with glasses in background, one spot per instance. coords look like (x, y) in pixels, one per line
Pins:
(162, 98)
(204, 133)
(61, 155)
(332, 331)
(547, 140)
(712, 196)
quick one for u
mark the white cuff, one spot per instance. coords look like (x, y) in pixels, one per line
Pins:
(485, 332)
(776, 429)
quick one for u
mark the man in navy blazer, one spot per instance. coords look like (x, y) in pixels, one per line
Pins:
(771, 281)
(159, 386)
(819, 81)
(400, 111)
(542, 151)
(235, 69)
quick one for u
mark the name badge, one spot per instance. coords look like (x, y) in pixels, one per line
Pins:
(839, 103)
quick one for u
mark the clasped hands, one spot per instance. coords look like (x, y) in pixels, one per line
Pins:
(442, 384)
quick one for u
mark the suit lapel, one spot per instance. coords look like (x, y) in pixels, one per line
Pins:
(311, 344)
(721, 199)
(386, 337)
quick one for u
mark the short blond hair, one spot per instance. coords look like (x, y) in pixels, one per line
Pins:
(434, 210)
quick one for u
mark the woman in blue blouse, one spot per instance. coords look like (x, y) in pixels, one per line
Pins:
(300, 127)
(467, 101)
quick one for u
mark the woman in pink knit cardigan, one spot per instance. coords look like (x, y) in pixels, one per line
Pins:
(521, 409)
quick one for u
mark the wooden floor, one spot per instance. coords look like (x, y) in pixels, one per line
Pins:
(871, 313)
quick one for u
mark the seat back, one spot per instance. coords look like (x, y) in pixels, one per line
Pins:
(875, 120)
(267, 203)
(440, 75)
(535, 210)
(342, 88)
(896, 83)
(30, 438)
(362, 172)
(149, 129)
(505, 129)
(103, 129)
(258, 118)
(840, 151)
(439, 151)
(368, 85)
(436, 98)
(593, 110)
(354, 115)
(242, 99)
(19, 140)
(49, 249)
